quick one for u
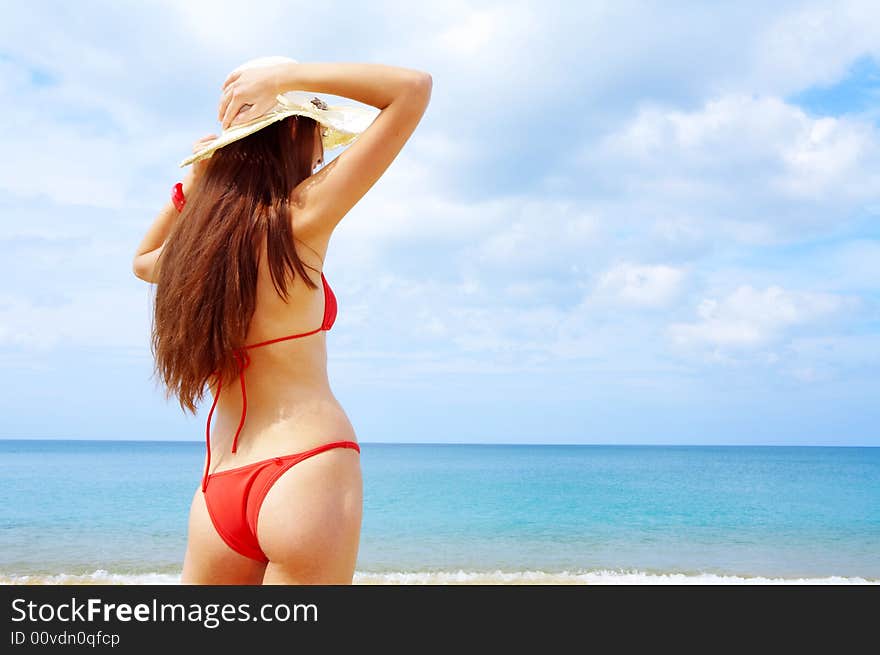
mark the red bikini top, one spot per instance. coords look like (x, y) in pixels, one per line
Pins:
(330, 310)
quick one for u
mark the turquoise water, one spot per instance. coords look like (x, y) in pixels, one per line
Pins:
(119, 509)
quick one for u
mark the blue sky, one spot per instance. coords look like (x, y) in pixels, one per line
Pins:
(616, 223)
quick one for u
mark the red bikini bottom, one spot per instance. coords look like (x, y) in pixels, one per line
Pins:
(234, 497)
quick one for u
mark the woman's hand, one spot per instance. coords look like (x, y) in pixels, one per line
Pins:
(249, 93)
(199, 167)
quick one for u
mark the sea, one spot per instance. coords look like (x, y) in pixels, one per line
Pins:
(108, 512)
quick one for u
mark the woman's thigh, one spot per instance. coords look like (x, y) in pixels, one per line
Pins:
(209, 560)
(310, 521)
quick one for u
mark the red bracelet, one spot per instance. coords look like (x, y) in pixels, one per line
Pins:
(177, 196)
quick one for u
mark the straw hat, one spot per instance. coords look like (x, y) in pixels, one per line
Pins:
(342, 123)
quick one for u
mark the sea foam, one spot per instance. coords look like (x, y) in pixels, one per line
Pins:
(591, 577)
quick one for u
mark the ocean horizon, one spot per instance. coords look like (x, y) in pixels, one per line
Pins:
(96, 511)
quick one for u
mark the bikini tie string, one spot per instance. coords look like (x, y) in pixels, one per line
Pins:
(244, 360)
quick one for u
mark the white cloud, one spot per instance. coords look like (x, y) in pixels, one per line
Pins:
(412, 209)
(752, 170)
(812, 45)
(806, 156)
(538, 235)
(749, 317)
(639, 285)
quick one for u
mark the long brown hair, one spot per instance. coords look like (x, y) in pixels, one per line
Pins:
(207, 280)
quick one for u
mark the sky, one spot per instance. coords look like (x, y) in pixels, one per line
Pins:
(617, 223)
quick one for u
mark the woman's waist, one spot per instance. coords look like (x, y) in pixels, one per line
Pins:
(268, 448)
(281, 426)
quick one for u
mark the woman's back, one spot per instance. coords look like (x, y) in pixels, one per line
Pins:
(291, 387)
(290, 406)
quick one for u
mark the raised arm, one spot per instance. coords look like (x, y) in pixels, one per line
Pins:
(401, 93)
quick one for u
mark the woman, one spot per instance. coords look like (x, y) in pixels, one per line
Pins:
(280, 501)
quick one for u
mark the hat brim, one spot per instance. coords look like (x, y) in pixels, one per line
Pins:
(343, 123)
